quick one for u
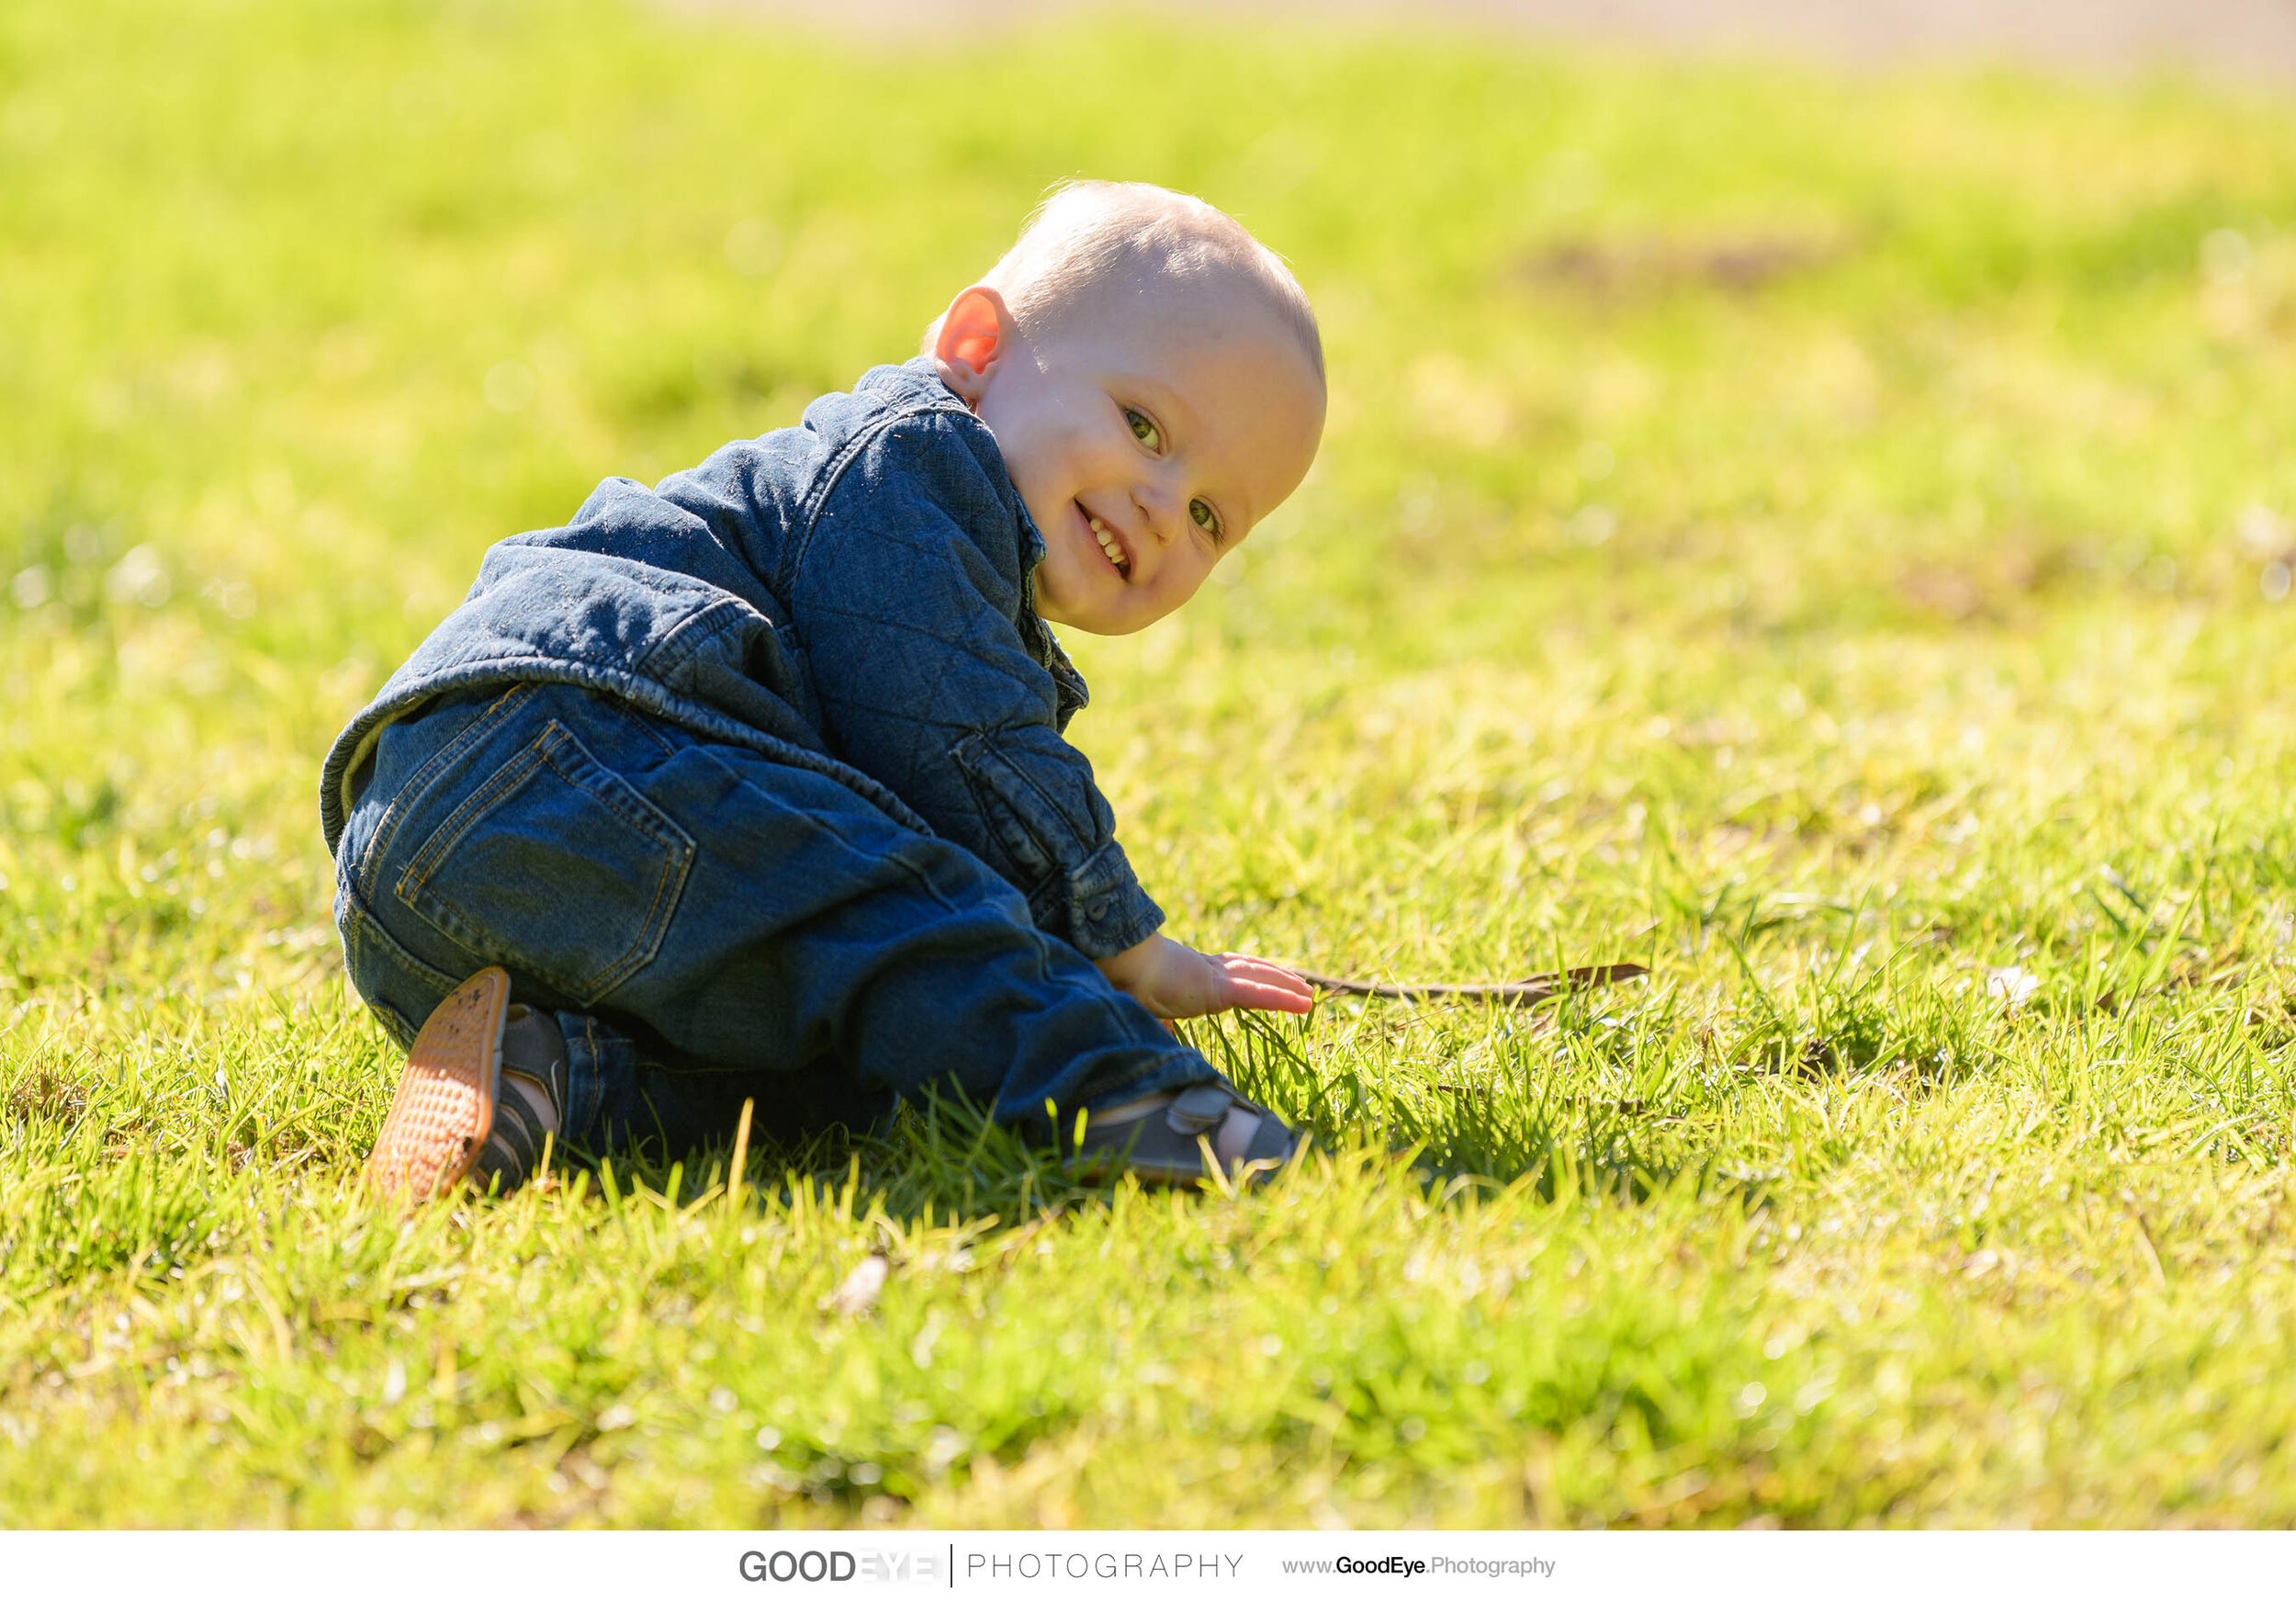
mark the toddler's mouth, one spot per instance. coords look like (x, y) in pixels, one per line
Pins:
(1110, 545)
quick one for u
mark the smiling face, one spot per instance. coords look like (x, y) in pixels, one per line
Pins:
(1146, 433)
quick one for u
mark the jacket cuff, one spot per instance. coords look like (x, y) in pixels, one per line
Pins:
(1107, 911)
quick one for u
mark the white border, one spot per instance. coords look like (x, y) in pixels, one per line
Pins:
(1759, 1566)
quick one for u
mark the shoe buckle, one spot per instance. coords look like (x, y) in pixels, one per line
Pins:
(1199, 1108)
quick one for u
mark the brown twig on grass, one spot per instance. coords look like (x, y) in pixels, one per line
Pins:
(1528, 992)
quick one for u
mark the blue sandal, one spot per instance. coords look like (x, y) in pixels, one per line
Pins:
(1184, 1138)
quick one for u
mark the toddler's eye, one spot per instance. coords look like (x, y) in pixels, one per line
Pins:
(1145, 430)
(1206, 518)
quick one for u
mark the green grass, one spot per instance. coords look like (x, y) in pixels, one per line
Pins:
(1814, 535)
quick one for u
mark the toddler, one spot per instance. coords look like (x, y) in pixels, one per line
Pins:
(751, 787)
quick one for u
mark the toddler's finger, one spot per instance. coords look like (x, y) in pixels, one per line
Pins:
(1250, 990)
(1246, 961)
(1260, 970)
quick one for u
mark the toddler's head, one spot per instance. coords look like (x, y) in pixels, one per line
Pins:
(1154, 381)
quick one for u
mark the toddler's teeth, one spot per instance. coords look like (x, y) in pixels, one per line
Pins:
(1108, 546)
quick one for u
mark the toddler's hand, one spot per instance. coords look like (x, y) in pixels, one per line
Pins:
(1176, 981)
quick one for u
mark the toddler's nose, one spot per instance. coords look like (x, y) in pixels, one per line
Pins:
(1160, 509)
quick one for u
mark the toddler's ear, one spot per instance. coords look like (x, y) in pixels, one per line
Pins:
(973, 332)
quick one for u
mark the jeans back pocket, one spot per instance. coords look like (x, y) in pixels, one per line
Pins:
(555, 867)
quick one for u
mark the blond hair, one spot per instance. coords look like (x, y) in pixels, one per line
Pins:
(1091, 234)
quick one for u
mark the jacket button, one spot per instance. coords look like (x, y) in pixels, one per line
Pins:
(1099, 908)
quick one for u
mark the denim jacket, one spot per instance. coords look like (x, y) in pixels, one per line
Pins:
(855, 596)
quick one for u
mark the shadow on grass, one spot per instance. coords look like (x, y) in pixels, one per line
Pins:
(1533, 1118)
(1514, 1127)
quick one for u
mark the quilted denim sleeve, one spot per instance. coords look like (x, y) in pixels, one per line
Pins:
(909, 600)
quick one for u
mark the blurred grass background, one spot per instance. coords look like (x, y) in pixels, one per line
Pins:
(1827, 536)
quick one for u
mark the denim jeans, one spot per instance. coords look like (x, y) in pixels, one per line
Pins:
(711, 926)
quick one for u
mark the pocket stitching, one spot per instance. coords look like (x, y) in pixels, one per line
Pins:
(972, 756)
(416, 876)
(677, 846)
(652, 824)
(425, 776)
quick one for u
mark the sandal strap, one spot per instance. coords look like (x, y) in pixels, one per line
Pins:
(1170, 1149)
(513, 1148)
(1200, 1108)
(531, 1050)
(1273, 1142)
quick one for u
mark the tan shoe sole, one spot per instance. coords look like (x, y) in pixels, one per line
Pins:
(444, 1108)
